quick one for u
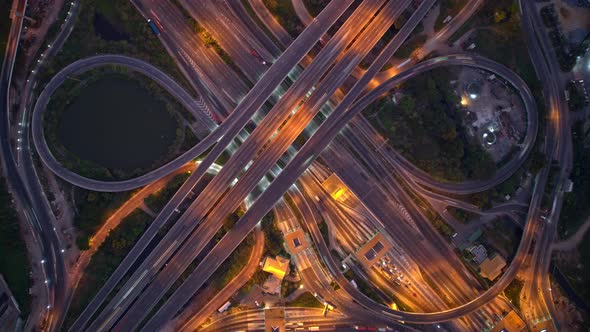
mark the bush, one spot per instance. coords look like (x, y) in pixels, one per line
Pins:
(427, 128)
(285, 14)
(106, 259)
(14, 261)
(94, 208)
(512, 292)
(306, 300)
(158, 200)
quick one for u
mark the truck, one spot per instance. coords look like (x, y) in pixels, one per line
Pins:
(153, 27)
(224, 307)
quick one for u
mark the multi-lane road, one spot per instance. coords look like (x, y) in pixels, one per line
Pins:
(195, 221)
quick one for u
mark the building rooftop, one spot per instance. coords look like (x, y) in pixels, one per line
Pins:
(296, 241)
(491, 268)
(373, 250)
(278, 266)
(511, 323)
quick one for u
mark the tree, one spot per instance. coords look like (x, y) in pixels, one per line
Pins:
(538, 161)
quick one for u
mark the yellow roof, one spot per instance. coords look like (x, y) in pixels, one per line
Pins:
(278, 266)
(511, 322)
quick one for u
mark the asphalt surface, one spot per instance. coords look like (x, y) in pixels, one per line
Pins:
(464, 187)
(294, 169)
(246, 152)
(264, 162)
(146, 69)
(250, 105)
(32, 202)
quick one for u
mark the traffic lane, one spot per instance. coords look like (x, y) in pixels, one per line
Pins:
(114, 186)
(294, 169)
(231, 288)
(262, 90)
(207, 196)
(254, 29)
(471, 61)
(214, 19)
(165, 214)
(54, 269)
(204, 62)
(251, 180)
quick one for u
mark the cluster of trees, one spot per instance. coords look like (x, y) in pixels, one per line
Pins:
(85, 41)
(306, 300)
(512, 292)
(285, 14)
(500, 38)
(427, 128)
(315, 7)
(365, 288)
(461, 215)
(575, 204)
(234, 264)
(14, 261)
(93, 210)
(158, 200)
(106, 259)
(274, 237)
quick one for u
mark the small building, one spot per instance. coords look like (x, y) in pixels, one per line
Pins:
(373, 250)
(479, 253)
(278, 267)
(296, 241)
(511, 322)
(492, 268)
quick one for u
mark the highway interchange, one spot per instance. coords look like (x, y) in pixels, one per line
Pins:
(252, 168)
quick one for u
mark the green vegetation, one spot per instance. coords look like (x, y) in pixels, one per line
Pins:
(106, 259)
(503, 235)
(577, 100)
(410, 45)
(499, 37)
(427, 128)
(62, 109)
(158, 200)
(581, 278)
(14, 261)
(113, 27)
(448, 8)
(315, 7)
(285, 14)
(234, 264)
(306, 300)
(273, 245)
(461, 215)
(94, 208)
(575, 204)
(442, 227)
(538, 160)
(258, 278)
(512, 292)
(288, 287)
(365, 287)
(323, 226)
